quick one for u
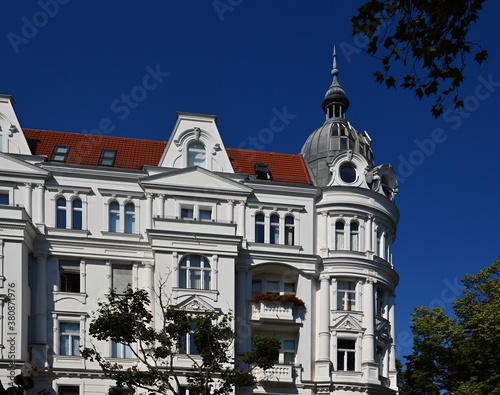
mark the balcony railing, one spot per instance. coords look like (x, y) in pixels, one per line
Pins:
(265, 310)
(278, 373)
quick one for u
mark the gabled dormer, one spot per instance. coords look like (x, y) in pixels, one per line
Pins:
(195, 141)
(12, 140)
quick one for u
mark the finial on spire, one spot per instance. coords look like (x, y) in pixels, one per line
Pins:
(335, 96)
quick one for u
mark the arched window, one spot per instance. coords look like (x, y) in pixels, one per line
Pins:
(339, 235)
(130, 218)
(259, 228)
(114, 217)
(354, 236)
(274, 229)
(195, 272)
(197, 155)
(76, 214)
(61, 213)
(289, 230)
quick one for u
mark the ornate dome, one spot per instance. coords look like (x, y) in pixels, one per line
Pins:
(336, 135)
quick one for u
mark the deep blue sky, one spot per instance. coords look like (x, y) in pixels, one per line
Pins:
(255, 57)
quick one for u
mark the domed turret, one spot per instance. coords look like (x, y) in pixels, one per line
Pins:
(335, 136)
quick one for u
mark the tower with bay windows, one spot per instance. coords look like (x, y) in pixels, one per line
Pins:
(356, 226)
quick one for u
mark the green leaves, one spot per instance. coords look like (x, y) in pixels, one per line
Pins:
(427, 39)
(458, 355)
(127, 319)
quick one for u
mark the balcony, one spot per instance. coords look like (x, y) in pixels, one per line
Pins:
(265, 310)
(276, 374)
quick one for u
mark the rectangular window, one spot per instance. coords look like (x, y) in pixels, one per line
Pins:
(69, 338)
(121, 277)
(273, 287)
(107, 158)
(69, 276)
(119, 350)
(187, 213)
(346, 295)
(346, 355)
(289, 352)
(205, 214)
(4, 198)
(289, 288)
(68, 390)
(379, 302)
(60, 153)
(187, 345)
(256, 287)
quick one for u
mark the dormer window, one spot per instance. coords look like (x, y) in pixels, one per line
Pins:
(262, 171)
(60, 153)
(107, 158)
(197, 155)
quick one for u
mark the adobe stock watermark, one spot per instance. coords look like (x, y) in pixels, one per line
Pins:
(266, 135)
(223, 6)
(31, 26)
(450, 292)
(426, 147)
(122, 107)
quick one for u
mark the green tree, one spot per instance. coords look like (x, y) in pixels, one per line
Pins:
(458, 355)
(127, 320)
(428, 37)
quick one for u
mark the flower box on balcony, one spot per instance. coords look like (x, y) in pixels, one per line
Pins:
(275, 297)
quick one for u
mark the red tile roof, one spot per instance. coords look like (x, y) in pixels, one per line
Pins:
(133, 154)
(86, 149)
(284, 167)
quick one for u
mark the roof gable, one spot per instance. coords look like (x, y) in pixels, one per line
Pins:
(195, 178)
(10, 167)
(12, 139)
(196, 128)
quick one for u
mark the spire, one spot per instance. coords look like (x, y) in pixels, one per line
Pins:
(336, 102)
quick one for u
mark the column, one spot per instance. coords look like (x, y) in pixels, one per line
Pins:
(392, 322)
(324, 231)
(230, 207)
(40, 204)
(242, 328)
(323, 362)
(149, 210)
(149, 283)
(28, 198)
(369, 322)
(161, 198)
(369, 233)
(41, 299)
(242, 220)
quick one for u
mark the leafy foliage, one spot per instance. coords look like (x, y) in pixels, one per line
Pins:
(276, 297)
(428, 37)
(127, 319)
(458, 355)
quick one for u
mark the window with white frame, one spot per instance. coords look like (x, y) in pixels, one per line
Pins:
(205, 214)
(289, 351)
(187, 212)
(346, 355)
(119, 350)
(283, 287)
(130, 218)
(76, 214)
(187, 344)
(69, 276)
(289, 230)
(69, 338)
(339, 235)
(346, 295)
(61, 213)
(114, 216)
(274, 229)
(259, 227)
(197, 155)
(354, 236)
(68, 390)
(379, 302)
(4, 197)
(121, 277)
(195, 272)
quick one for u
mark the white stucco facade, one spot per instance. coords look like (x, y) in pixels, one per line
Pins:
(69, 233)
